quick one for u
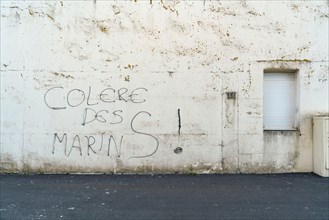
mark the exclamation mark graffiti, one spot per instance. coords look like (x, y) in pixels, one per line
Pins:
(179, 150)
(179, 122)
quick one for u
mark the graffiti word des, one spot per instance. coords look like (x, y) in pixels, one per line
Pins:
(103, 116)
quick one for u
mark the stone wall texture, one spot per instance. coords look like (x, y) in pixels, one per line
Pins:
(141, 86)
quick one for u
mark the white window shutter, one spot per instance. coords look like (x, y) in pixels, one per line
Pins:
(279, 101)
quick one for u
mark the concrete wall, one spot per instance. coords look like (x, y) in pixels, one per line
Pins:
(140, 86)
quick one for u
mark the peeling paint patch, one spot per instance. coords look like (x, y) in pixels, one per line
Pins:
(103, 28)
(31, 12)
(170, 73)
(116, 9)
(171, 5)
(130, 66)
(288, 61)
(51, 17)
(63, 75)
(255, 13)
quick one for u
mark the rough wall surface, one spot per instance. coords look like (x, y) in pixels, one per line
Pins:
(140, 86)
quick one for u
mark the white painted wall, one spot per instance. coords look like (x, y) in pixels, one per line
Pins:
(169, 56)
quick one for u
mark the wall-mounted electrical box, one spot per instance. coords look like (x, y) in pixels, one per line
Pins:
(321, 146)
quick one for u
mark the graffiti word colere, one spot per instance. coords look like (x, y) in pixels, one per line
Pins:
(58, 98)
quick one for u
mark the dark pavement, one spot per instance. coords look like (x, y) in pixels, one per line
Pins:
(282, 196)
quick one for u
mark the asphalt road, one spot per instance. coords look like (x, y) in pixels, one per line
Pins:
(284, 196)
